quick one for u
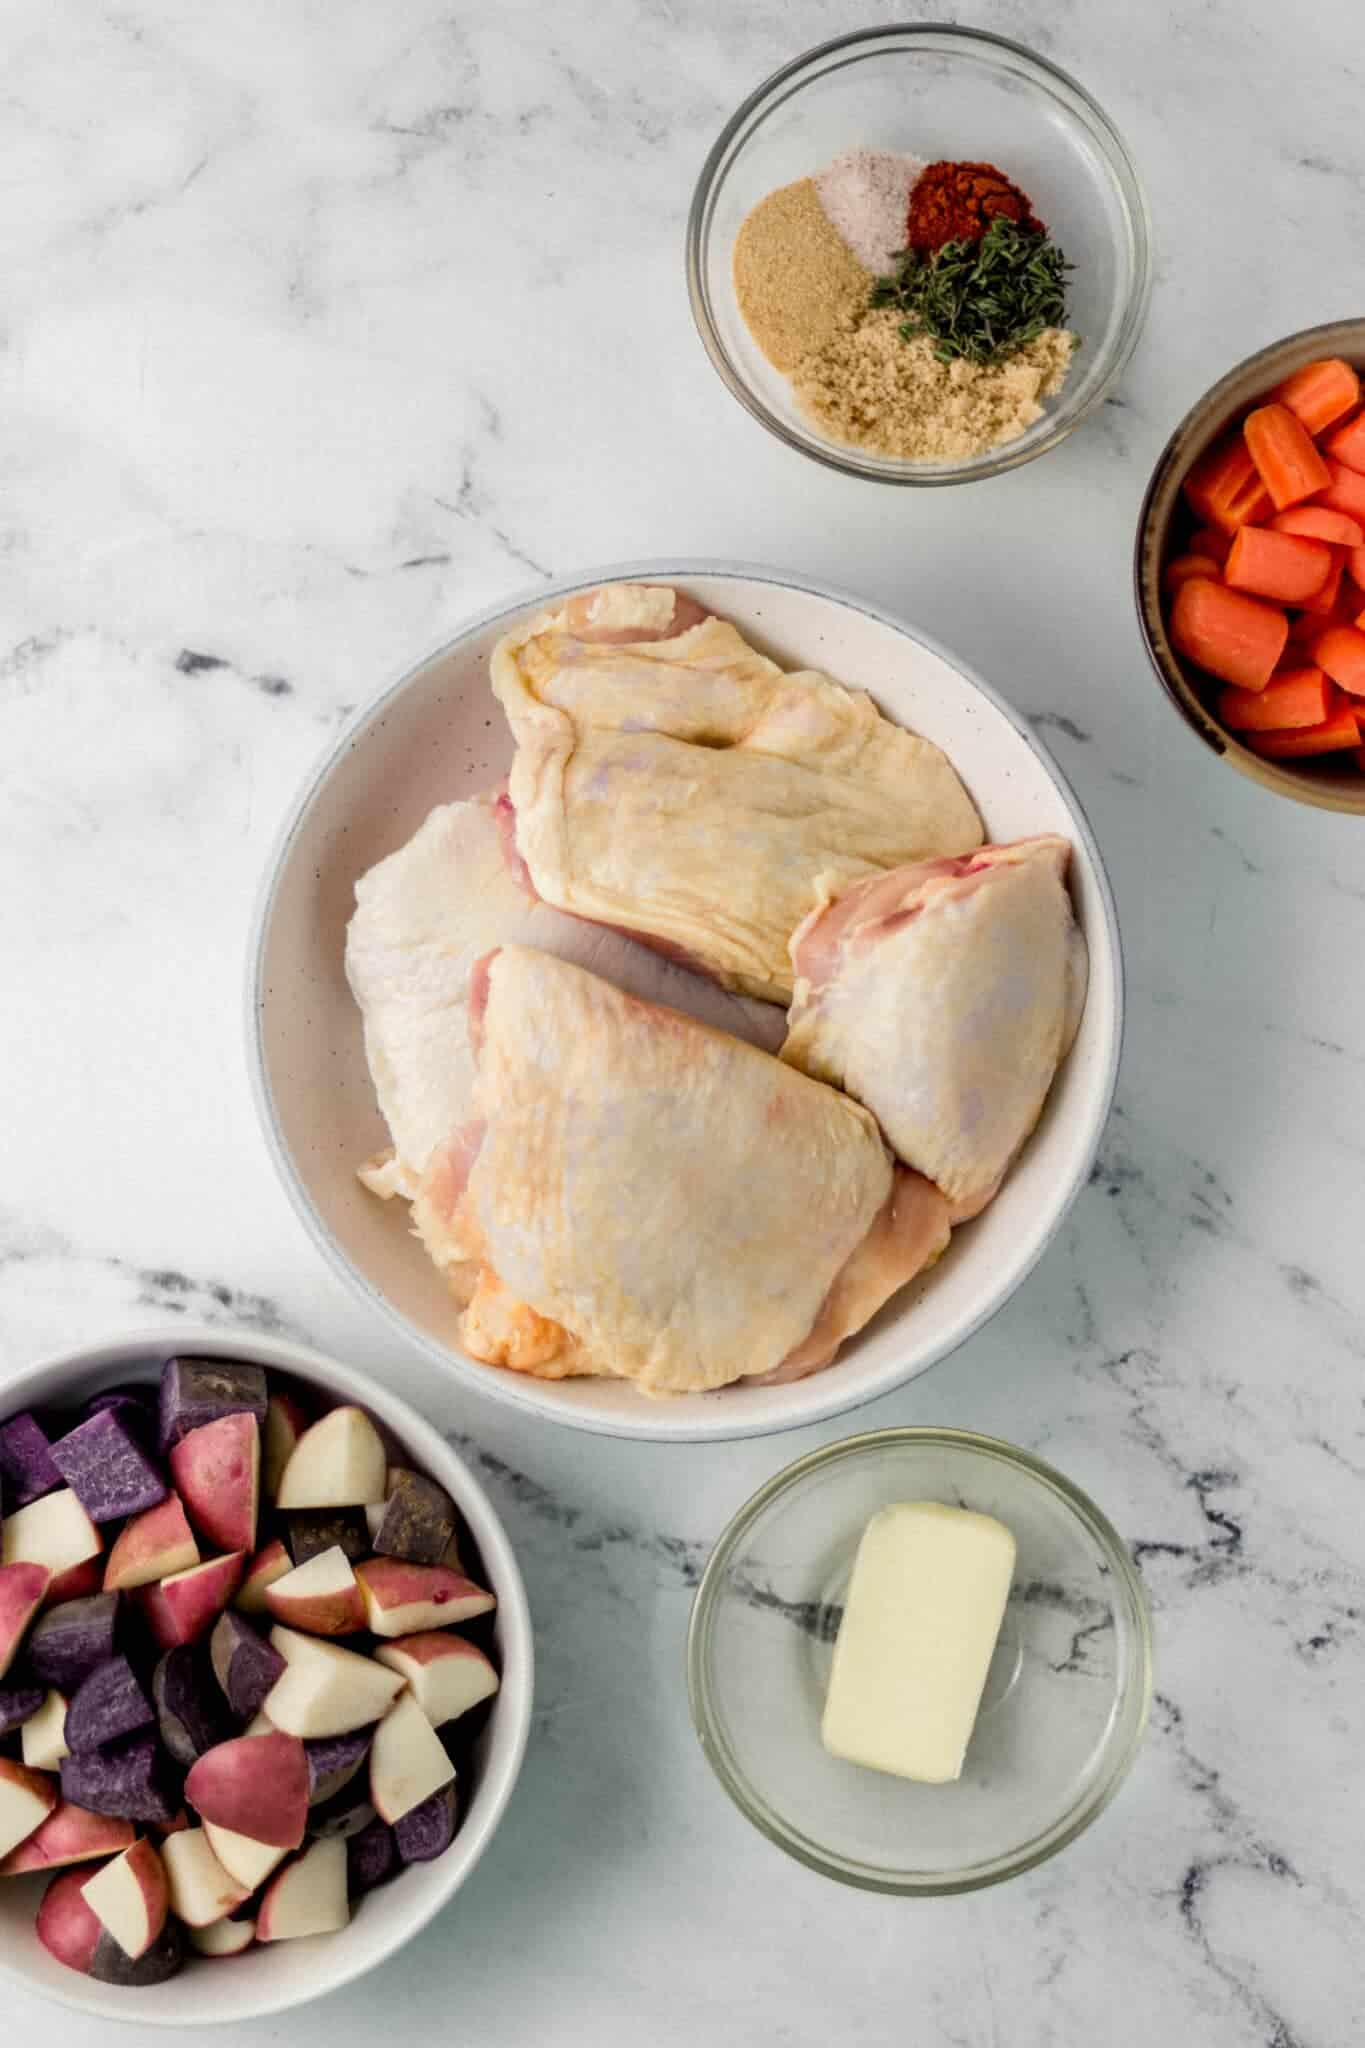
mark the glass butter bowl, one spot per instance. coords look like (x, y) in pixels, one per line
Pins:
(1065, 1702)
(936, 91)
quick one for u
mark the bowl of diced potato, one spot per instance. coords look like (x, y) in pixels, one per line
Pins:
(1250, 568)
(265, 1676)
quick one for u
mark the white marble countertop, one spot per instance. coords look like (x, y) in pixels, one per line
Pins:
(324, 326)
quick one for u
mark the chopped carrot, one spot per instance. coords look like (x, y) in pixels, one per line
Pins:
(1224, 488)
(1348, 444)
(1279, 566)
(1306, 628)
(1292, 697)
(1316, 522)
(1290, 466)
(1341, 730)
(1213, 542)
(1341, 651)
(1182, 567)
(1320, 392)
(1344, 490)
(1236, 638)
(1324, 603)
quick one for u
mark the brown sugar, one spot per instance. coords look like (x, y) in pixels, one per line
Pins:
(869, 387)
(797, 282)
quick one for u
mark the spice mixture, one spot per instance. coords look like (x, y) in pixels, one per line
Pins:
(796, 279)
(985, 299)
(958, 202)
(918, 310)
(865, 194)
(872, 389)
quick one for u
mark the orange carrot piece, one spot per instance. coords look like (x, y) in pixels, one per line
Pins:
(1293, 697)
(1348, 444)
(1236, 638)
(1320, 392)
(1224, 487)
(1279, 566)
(1317, 522)
(1324, 603)
(1341, 651)
(1344, 490)
(1182, 567)
(1341, 730)
(1213, 542)
(1290, 466)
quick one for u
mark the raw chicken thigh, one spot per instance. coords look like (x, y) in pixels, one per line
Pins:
(942, 996)
(645, 1197)
(671, 781)
(423, 918)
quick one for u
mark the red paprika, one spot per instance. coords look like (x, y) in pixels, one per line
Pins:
(957, 203)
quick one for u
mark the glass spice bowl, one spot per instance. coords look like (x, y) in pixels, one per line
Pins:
(1065, 1702)
(938, 92)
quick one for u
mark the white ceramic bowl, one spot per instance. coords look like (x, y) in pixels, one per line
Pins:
(437, 734)
(274, 1977)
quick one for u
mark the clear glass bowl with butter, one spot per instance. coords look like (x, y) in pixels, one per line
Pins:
(1065, 1701)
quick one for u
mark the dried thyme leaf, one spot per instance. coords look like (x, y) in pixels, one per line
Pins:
(981, 300)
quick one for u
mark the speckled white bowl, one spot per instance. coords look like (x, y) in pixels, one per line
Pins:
(437, 734)
(279, 1975)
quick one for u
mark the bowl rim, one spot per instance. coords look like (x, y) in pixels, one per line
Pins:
(1180, 453)
(1041, 72)
(508, 1387)
(423, 1440)
(1129, 1587)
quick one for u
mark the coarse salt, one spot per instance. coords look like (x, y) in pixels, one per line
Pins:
(865, 194)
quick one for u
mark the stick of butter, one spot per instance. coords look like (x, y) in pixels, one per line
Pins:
(925, 1604)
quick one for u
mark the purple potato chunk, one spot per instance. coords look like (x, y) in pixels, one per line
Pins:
(371, 1858)
(244, 1664)
(333, 1761)
(131, 1780)
(26, 1468)
(135, 1408)
(426, 1831)
(19, 1703)
(419, 1520)
(190, 1710)
(346, 1812)
(199, 1390)
(107, 1704)
(107, 1469)
(109, 1964)
(310, 1531)
(67, 1643)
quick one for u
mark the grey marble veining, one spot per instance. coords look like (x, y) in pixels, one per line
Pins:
(323, 327)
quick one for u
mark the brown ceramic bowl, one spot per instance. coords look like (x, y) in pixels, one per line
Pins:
(1330, 786)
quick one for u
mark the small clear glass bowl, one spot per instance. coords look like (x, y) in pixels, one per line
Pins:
(936, 91)
(1065, 1702)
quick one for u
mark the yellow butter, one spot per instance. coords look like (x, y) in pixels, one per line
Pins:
(924, 1609)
